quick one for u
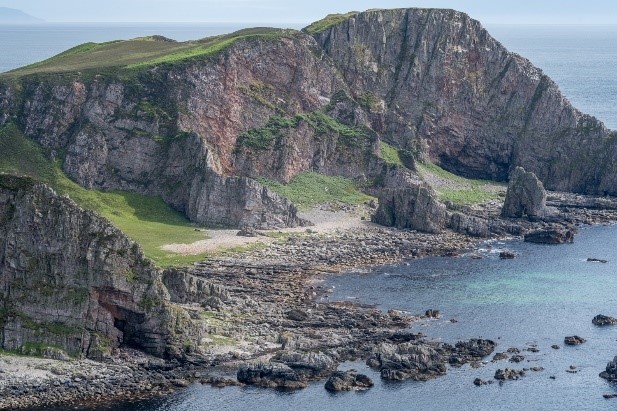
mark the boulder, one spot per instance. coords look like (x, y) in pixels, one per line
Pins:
(525, 196)
(603, 320)
(574, 340)
(509, 374)
(611, 371)
(507, 255)
(555, 235)
(347, 381)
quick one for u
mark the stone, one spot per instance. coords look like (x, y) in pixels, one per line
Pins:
(508, 374)
(574, 340)
(507, 255)
(432, 314)
(347, 381)
(602, 320)
(500, 356)
(525, 196)
(555, 235)
(517, 358)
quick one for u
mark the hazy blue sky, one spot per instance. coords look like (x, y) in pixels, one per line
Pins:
(280, 11)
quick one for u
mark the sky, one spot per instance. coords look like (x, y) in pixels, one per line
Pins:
(302, 12)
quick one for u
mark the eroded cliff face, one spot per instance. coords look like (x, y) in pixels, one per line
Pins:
(173, 131)
(70, 280)
(441, 86)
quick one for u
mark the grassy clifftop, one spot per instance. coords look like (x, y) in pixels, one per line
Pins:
(142, 52)
(147, 220)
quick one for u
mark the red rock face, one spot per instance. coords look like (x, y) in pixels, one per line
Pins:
(479, 110)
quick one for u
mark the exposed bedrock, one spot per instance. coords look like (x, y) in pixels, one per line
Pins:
(525, 196)
(70, 280)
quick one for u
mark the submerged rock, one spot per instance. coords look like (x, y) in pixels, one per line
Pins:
(507, 255)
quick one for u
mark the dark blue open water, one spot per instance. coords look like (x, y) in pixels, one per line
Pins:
(545, 294)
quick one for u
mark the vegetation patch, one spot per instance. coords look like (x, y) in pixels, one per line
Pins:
(143, 52)
(262, 138)
(390, 154)
(309, 189)
(147, 220)
(329, 21)
(457, 189)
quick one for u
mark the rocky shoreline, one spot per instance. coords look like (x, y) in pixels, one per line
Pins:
(273, 322)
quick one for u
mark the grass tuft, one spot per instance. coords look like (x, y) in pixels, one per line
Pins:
(327, 22)
(390, 154)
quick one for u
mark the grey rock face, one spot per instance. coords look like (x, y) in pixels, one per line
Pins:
(525, 196)
(415, 208)
(69, 279)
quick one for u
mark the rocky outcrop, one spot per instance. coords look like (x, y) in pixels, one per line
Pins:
(70, 280)
(271, 375)
(552, 235)
(433, 83)
(415, 208)
(419, 362)
(574, 340)
(611, 371)
(525, 196)
(348, 381)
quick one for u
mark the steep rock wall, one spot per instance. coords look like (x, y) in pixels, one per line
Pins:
(69, 279)
(441, 86)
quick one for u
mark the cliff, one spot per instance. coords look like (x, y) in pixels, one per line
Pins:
(70, 280)
(442, 87)
(197, 123)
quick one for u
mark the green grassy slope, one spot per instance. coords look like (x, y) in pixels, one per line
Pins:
(147, 220)
(308, 189)
(459, 190)
(141, 52)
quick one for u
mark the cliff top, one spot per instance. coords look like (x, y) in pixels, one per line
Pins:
(142, 52)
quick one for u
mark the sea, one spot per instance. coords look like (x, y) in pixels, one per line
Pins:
(535, 300)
